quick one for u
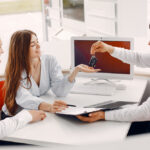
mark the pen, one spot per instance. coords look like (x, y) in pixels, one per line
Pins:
(71, 105)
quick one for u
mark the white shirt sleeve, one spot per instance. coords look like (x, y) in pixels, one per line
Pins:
(26, 100)
(133, 113)
(59, 84)
(131, 57)
(9, 125)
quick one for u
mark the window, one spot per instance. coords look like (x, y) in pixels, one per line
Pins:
(73, 9)
(16, 15)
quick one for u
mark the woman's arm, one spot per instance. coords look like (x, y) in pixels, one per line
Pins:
(27, 101)
(61, 85)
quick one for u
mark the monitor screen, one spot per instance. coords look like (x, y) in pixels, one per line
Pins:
(110, 66)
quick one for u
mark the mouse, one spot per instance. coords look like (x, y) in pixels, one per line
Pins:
(120, 87)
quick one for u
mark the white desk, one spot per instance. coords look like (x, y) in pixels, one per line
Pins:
(57, 129)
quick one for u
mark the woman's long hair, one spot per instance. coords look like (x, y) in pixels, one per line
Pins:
(18, 61)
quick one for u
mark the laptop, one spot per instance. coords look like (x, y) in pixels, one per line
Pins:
(104, 106)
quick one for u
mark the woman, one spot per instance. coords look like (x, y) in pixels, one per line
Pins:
(11, 124)
(32, 75)
(135, 113)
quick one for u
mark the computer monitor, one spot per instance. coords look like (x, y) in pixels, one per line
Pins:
(111, 67)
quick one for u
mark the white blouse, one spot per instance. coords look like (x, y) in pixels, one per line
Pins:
(51, 78)
(9, 125)
(133, 113)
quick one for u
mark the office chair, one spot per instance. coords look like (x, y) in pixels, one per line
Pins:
(2, 94)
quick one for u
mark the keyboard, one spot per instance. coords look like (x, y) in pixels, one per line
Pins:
(92, 89)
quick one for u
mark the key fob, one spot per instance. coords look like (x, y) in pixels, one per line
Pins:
(93, 61)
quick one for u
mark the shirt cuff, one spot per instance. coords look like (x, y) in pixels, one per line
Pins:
(67, 87)
(68, 83)
(36, 103)
(23, 118)
(116, 52)
(108, 115)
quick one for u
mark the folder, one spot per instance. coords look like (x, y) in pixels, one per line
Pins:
(104, 106)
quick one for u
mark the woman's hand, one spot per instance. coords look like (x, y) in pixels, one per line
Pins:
(37, 115)
(95, 116)
(85, 68)
(58, 106)
(81, 68)
(101, 47)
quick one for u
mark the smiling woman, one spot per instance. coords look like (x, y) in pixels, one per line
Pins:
(19, 6)
(32, 75)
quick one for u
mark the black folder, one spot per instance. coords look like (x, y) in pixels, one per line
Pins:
(104, 106)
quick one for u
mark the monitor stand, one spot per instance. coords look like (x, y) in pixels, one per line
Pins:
(99, 81)
(94, 87)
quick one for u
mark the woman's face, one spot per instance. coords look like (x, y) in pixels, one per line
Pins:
(34, 48)
(1, 49)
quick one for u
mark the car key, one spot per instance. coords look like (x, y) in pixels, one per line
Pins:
(93, 61)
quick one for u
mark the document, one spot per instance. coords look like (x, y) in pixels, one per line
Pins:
(74, 111)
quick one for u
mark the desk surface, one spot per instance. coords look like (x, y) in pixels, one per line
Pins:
(68, 130)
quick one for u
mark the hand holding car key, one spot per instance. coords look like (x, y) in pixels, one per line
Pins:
(93, 59)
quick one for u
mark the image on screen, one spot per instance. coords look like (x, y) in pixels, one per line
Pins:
(105, 61)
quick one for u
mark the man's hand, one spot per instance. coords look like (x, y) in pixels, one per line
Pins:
(101, 47)
(95, 116)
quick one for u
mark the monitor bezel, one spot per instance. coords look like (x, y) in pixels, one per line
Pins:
(103, 75)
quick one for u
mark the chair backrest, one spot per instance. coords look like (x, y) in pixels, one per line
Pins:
(2, 94)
